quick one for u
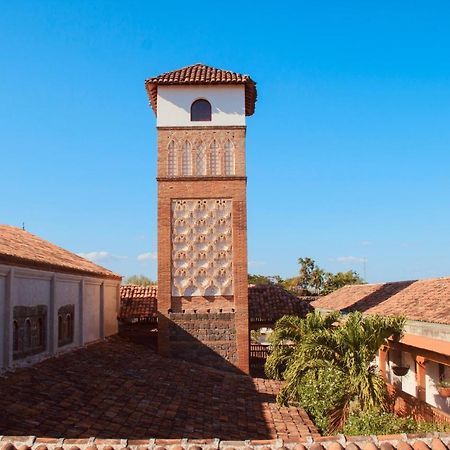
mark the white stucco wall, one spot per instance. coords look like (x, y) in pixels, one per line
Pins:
(110, 310)
(31, 290)
(432, 394)
(91, 312)
(174, 105)
(31, 287)
(409, 380)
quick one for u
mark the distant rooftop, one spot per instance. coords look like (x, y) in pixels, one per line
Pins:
(422, 300)
(267, 303)
(19, 247)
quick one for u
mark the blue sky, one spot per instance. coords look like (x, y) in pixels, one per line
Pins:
(348, 151)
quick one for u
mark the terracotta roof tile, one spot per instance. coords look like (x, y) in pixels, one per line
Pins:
(20, 247)
(200, 74)
(138, 301)
(427, 441)
(267, 303)
(423, 300)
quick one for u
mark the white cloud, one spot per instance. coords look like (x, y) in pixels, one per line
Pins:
(100, 256)
(366, 243)
(147, 256)
(350, 260)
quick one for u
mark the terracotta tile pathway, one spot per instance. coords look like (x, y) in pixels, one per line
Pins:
(117, 389)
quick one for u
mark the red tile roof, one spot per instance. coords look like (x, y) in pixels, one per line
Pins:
(138, 302)
(425, 441)
(200, 74)
(19, 247)
(267, 303)
(423, 300)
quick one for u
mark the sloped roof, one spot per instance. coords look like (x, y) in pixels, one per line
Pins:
(22, 248)
(423, 300)
(138, 301)
(267, 303)
(201, 74)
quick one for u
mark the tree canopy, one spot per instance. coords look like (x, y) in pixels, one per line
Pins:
(140, 280)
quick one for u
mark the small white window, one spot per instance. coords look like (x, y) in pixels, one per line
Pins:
(229, 157)
(214, 161)
(172, 160)
(186, 160)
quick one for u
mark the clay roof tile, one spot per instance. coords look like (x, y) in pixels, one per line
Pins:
(202, 74)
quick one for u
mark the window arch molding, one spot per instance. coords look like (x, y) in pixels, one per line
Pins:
(201, 110)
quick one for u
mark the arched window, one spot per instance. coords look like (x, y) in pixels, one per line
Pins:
(186, 159)
(200, 159)
(229, 157)
(27, 336)
(69, 327)
(214, 161)
(15, 336)
(41, 333)
(172, 159)
(201, 111)
(60, 328)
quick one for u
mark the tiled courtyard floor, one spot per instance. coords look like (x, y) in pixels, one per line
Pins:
(117, 389)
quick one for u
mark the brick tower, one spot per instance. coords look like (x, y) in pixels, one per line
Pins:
(202, 224)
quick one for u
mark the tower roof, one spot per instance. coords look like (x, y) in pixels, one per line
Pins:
(200, 74)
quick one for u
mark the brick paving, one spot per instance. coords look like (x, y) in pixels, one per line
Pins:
(118, 389)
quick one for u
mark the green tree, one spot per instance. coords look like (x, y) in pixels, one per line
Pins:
(315, 281)
(140, 280)
(309, 351)
(337, 280)
(264, 279)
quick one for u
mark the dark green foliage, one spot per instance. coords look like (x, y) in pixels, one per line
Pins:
(140, 280)
(382, 422)
(316, 353)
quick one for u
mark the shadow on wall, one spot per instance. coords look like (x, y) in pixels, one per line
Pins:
(118, 389)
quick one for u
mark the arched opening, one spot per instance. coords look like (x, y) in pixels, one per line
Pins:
(200, 159)
(201, 111)
(15, 336)
(41, 333)
(214, 161)
(186, 159)
(60, 328)
(69, 327)
(229, 158)
(172, 160)
(27, 334)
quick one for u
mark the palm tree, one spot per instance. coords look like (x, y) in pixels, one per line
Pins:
(348, 349)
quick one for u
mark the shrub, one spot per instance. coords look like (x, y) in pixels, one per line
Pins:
(381, 422)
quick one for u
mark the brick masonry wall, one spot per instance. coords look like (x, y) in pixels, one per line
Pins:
(196, 187)
(208, 339)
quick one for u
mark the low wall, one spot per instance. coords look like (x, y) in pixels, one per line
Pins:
(404, 404)
(433, 441)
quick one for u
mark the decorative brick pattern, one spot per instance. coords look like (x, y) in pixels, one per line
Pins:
(29, 330)
(201, 247)
(66, 316)
(207, 188)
